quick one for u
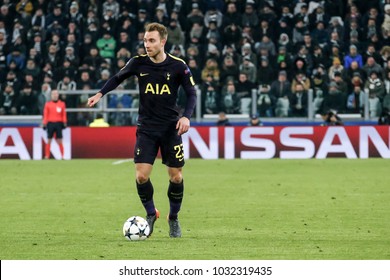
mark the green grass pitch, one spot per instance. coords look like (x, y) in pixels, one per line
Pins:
(331, 209)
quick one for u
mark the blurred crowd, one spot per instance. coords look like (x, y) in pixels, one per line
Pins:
(281, 50)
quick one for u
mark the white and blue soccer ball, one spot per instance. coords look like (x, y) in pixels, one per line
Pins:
(136, 228)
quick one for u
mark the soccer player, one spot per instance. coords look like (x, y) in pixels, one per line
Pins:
(54, 121)
(160, 125)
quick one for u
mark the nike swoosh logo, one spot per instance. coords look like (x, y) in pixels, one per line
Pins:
(143, 74)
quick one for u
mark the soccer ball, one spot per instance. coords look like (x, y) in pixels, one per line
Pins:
(136, 228)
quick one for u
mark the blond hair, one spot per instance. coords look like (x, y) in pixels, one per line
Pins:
(161, 29)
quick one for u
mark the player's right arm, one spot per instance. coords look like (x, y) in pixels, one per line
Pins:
(114, 82)
(94, 99)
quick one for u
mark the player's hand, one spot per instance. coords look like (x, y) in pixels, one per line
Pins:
(183, 124)
(94, 99)
(63, 125)
(44, 127)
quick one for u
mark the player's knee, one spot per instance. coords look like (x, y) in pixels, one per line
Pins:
(176, 178)
(141, 178)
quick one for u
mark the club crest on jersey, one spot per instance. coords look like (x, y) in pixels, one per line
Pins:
(168, 76)
(157, 89)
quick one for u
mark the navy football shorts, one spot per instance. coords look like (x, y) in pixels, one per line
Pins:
(54, 127)
(149, 142)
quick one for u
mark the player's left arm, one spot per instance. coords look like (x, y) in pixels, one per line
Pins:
(188, 84)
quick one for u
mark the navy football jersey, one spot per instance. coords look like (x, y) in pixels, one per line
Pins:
(158, 89)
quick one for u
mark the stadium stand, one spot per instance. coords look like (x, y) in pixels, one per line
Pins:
(337, 50)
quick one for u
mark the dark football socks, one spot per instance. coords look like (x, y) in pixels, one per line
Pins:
(175, 195)
(145, 193)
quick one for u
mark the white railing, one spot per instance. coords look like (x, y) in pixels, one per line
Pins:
(102, 107)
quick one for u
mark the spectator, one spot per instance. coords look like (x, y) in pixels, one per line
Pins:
(196, 73)
(67, 84)
(43, 96)
(93, 59)
(302, 79)
(29, 80)
(341, 84)
(75, 16)
(263, 30)
(231, 16)
(71, 56)
(385, 56)
(38, 21)
(333, 100)
(212, 48)
(223, 120)
(213, 15)
(27, 101)
(85, 79)
(331, 118)
(280, 87)
(99, 121)
(374, 105)
(232, 35)
(230, 99)
(249, 16)
(32, 69)
(123, 53)
(264, 102)
(285, 26)
(56, 16)
(336, 25)
(384, 118)
(38, 46)
(53, 56)
(211, 68)
(387, 82)
(161, 16)
(372, 66)
(246, 50)
(249, 69)
(196, 35)
(354, 71)
(244, 86)
(267, 44)
(283, 55)
(282, 107)
(17, 57)
(335, 68)
(195, 16)
(318, 16)
(7, 17)
(106, 45)
(303, 61)
(254, 120)
(355, 101)
(265, 73)
(371, 52)
(229, 69)
(66, 69)
(127, 32)
(210, 96)
(375, 86)
(104, 76)
(298, 31)
(175, 34)
(8, 101)
(353, 56)
(298, 101)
